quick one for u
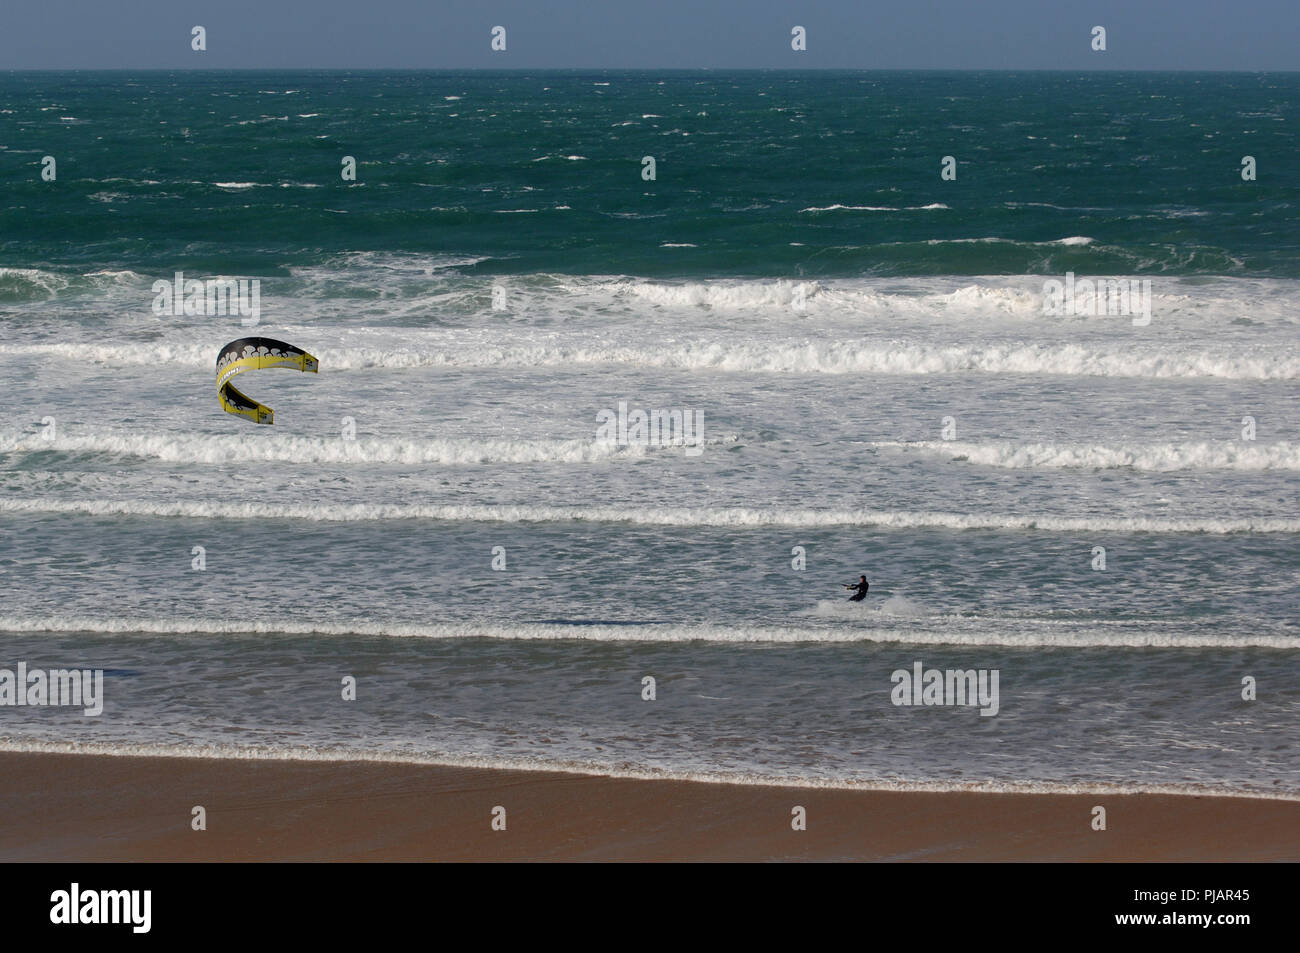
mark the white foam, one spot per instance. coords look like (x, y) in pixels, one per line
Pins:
(895, 606)
(997, 240)
(1164, 457)
(121, 277)
(740, 296)
(729, 355)
(623, 770)
(950, 630)
(275, 448)
(723, 295)
(45, 283)
(903, 607)
(933, 206)
(740, 517)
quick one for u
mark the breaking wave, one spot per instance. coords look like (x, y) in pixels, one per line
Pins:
(250, 448)
(738, 517)
(892, 628)
(776, 357)
(1219, 455)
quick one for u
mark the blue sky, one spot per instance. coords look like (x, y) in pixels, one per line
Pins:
(720, 34)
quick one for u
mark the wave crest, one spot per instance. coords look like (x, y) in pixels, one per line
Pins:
(942, 631)
(1161, 458)
(737, 517)
(259, 448)
(774, 357)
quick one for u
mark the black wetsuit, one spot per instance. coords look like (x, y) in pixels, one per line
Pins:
(859, 591)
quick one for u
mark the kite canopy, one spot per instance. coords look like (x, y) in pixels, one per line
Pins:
(248, 354)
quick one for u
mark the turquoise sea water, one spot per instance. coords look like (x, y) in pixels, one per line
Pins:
(750, 170)
(880, 387)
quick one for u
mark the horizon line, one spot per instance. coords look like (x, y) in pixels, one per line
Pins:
(629, 69)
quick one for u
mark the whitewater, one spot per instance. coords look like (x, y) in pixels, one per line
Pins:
(1103, 511)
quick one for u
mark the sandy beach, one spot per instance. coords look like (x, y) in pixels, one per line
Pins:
(77, 808)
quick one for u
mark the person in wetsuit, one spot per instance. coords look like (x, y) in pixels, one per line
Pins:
(860, 590)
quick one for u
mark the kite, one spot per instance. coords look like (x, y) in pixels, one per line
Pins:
(248, 354)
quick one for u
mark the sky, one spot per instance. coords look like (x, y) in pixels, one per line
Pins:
(651, 34)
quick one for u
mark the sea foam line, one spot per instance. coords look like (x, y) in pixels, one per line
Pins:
(728, 356)
(1159, 457)
(932, 207)
(738, 517)
(951, 630)
(590, 768)
(217, 449)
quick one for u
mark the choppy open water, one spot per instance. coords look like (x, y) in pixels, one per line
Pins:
(799, 274)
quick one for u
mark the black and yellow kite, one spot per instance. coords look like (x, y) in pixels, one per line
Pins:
(248, 354)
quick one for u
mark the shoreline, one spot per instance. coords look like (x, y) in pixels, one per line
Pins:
(78, 807)
(253, 753)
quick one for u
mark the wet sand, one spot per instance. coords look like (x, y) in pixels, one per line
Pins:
(81, 807)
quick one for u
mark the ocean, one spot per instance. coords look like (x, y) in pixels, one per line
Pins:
(1099, 507)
